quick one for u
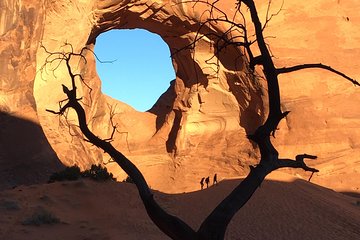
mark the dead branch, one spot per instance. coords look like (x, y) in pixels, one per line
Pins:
(268, 18)
(315, 65)
(113, 125)
(298, 162)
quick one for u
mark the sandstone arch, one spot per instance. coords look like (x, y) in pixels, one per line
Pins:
(198, 107)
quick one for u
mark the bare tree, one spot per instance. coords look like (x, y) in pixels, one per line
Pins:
(215, 225)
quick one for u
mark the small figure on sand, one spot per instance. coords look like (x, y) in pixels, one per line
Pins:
(207, 180)
(202, 183)
(215, 179)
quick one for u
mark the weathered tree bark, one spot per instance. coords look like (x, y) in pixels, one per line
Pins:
(215, 225)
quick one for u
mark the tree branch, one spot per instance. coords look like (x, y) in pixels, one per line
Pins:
(61, 111)
(315, 65)
(275, 114)
(297, 163)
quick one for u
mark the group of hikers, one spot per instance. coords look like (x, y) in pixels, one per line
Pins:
(207, 181)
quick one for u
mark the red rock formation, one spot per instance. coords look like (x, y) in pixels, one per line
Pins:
(198, 127)
(25, 154)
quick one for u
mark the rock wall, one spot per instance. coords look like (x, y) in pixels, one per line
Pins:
(324, 107)
(25, 153)
(198, 127)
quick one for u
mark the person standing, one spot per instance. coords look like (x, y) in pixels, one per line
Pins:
(202, 183)
(207, 180)
(215, 179)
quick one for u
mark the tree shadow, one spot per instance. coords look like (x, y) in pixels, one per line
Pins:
(164, 105)
(26, 156)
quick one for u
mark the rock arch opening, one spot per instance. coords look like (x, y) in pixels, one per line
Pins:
(200, 113)
(140, 67)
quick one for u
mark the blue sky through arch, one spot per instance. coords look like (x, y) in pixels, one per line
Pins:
(142, 69)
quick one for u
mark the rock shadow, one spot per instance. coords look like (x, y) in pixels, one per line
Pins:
(164, 105)
(26, 156)
(171, 142)
(249, 97)
(352, 194)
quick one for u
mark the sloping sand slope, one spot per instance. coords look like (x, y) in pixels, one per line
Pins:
(283, 208)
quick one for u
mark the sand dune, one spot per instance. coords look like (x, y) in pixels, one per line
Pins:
(283, 208)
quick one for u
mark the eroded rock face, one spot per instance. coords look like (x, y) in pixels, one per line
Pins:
(197, 121)
(25, 153)
(199, 126)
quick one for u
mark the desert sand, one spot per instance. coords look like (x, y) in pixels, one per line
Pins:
(283, 207)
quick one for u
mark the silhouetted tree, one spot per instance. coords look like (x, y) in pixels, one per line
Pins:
(215, 225)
